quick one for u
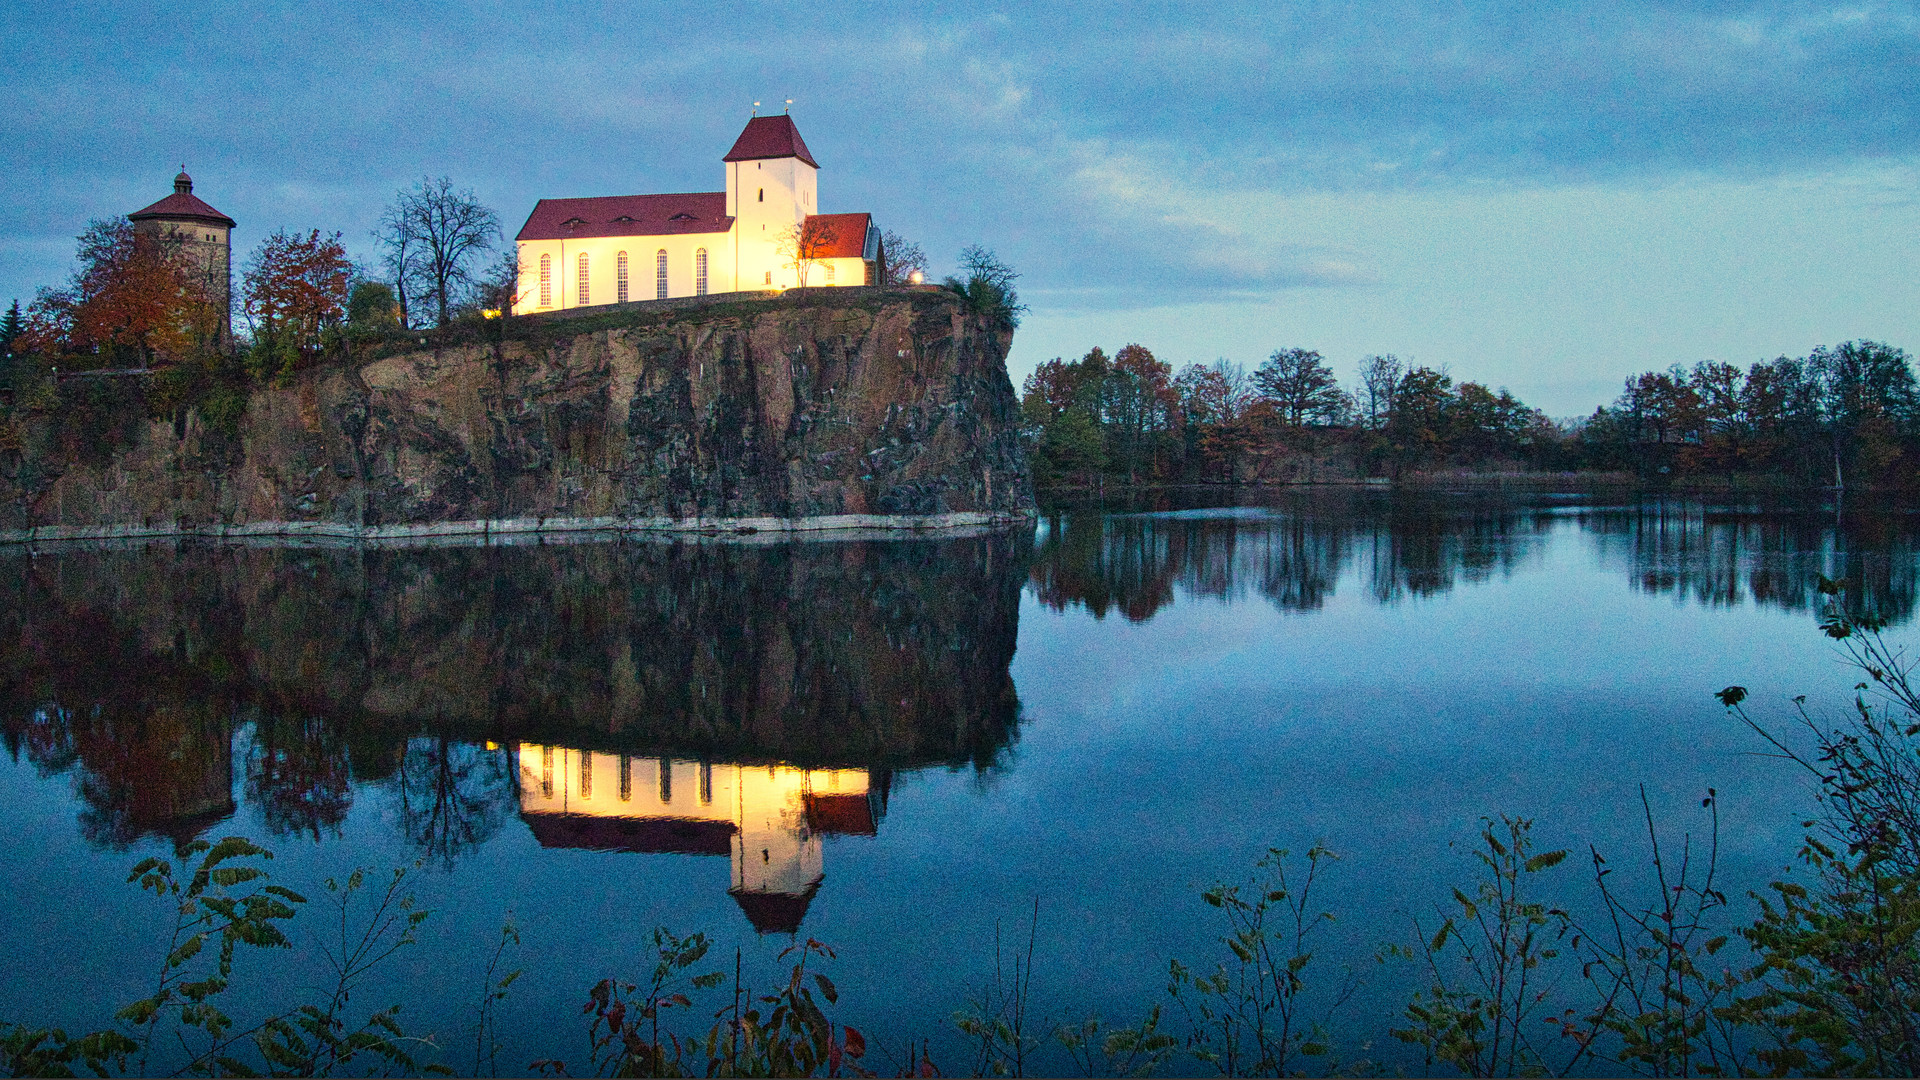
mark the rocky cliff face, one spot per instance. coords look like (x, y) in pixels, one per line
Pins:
(837, 407)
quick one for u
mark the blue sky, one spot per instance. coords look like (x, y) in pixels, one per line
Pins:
(1538, 196)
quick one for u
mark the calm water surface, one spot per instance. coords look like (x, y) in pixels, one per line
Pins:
(893, 745)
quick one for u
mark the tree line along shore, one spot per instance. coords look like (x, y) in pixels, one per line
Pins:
(1846, 416)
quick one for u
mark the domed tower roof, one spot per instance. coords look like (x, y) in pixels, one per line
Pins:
(182, 205)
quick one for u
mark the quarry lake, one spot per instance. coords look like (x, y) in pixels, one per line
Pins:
(896, 745)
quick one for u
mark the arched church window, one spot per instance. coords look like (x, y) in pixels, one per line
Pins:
(660, 274)
(763, 194)
(700, 272)
(582, 297)
(620, 277)
(546, 281)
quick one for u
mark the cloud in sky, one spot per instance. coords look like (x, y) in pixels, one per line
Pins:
(1427, 174)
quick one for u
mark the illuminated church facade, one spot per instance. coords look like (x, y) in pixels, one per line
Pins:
(623, 248)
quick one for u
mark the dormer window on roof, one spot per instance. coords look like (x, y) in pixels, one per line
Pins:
(574, 222)
(623, 218)
(683, 217)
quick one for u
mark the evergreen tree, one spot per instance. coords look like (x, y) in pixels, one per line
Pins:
(11, 326)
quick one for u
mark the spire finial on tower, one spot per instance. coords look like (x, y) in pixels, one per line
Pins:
(756, 108)
(789, 107)
(183, 184)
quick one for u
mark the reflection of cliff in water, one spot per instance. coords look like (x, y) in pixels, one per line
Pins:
(1291, 553)
(147, 671)
(1294, 551)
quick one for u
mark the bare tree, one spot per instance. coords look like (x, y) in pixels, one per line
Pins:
(434, 236)
(804, 244)
(903, 257)
(1379, 378)
(400, 254)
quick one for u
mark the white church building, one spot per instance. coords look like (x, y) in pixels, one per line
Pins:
(621, 248)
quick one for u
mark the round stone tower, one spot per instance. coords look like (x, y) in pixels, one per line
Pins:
(205, 238)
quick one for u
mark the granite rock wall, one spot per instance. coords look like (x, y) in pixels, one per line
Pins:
(846, 407)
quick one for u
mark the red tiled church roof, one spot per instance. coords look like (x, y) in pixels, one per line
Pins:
(628, 215)
(770, 137)
(182, 205)
(677, 836)
(849, 234)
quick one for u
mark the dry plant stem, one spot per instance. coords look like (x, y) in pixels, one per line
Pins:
(1670, 1016)
(486, 1043)
(997, 1016)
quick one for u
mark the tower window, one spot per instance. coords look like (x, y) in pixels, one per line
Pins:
(582, 298)
(586, 774)
(666, 780)
(660, 274)
(546, 281)
(769, 277)
(620, 277)
(829, 273)
(763, 194)
(700, 272)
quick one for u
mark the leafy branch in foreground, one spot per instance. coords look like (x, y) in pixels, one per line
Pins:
(791, 1036)
(1839, 974)
(1486, 989)
(220, 903)
(1250, 1019)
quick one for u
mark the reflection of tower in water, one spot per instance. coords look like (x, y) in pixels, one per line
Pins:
(768, 819)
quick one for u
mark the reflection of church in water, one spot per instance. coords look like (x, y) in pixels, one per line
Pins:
(768, 819)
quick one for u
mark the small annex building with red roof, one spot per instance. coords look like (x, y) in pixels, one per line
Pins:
(764, 232)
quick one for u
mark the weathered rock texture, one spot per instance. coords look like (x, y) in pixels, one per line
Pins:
(849, 407)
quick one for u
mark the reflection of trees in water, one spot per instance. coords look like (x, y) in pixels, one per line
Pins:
(1411, 546)
(1723, 558)
(147, 739)
(298, 774)
(1293, 557)
(1423, 547)
(167, 773)
(452, 795)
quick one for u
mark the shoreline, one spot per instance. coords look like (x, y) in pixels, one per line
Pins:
(509, 530)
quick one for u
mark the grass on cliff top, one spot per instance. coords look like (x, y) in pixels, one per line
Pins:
(547, 329)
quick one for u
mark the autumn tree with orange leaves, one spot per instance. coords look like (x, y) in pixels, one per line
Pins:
(132, 302)
(295, 290)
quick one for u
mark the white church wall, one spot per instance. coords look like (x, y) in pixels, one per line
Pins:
(602, 254)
